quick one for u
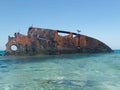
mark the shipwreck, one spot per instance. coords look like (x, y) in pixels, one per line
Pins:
(50, 42)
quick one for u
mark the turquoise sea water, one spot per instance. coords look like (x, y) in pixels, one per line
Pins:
(63, 72)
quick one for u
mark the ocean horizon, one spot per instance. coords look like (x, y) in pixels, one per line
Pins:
(61, 72)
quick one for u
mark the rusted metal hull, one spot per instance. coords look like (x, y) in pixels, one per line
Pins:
(48, 41)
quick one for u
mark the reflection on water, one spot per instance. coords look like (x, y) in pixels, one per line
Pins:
(64, 72)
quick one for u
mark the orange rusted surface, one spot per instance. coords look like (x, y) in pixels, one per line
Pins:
(48, 41)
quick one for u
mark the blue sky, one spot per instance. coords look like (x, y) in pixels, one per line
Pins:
(96, 18)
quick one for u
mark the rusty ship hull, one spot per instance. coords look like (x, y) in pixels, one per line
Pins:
(50, 42)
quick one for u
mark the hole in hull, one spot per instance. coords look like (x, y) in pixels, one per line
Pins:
(14, 48)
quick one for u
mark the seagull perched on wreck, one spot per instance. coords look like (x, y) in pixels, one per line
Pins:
(78, 30)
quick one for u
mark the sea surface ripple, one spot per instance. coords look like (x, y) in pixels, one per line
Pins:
(61, 72)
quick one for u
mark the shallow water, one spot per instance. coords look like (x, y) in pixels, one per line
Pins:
(64, 72)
